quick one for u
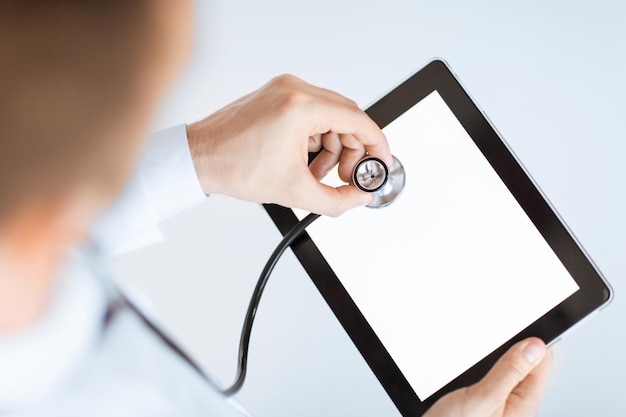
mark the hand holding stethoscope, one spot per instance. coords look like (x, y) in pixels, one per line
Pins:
(257, 149)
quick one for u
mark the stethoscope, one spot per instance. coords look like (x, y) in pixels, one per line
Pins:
(370, 174)
(386, 184)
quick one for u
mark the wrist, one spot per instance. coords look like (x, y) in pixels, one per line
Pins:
(200, 153)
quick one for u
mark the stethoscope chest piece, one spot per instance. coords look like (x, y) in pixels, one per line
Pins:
(372, 175)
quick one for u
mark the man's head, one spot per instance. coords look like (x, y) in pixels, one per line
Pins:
(79, 82)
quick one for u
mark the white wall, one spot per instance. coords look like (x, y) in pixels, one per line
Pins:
(551, 76)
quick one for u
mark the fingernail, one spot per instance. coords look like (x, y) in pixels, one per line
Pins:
(534, 351)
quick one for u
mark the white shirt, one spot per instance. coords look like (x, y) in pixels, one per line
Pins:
(73, 364)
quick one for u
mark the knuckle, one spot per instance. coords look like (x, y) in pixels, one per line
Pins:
(353, 104)
(338, 206)
(337, 210)
(285, 80)
(296, 97)
(514, 371)
(290, 92)
(330, 204)
(292, 98)
(523, 400)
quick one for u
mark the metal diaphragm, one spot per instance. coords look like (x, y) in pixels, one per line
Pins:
(373, 176)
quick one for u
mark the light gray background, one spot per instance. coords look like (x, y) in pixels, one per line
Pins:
(550, 74)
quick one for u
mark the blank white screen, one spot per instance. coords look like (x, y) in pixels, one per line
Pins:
(454, 268)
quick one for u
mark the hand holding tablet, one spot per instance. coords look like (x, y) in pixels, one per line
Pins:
(468, 261)
(513, 387)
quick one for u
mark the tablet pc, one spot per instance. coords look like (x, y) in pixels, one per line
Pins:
(470, 259)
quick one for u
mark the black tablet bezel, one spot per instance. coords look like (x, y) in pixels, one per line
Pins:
(594, 291)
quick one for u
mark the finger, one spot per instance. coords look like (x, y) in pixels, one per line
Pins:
(349, 158)
(381, 150)
(329, 116)
(323, 199)
(511, 369)
(315, 142)
(526, 397)
(328, 157)
(322, 164)
(337, 113)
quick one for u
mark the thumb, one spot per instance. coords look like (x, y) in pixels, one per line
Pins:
(330, 201)
(511, 369)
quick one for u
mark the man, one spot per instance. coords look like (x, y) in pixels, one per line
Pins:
(79, 82)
